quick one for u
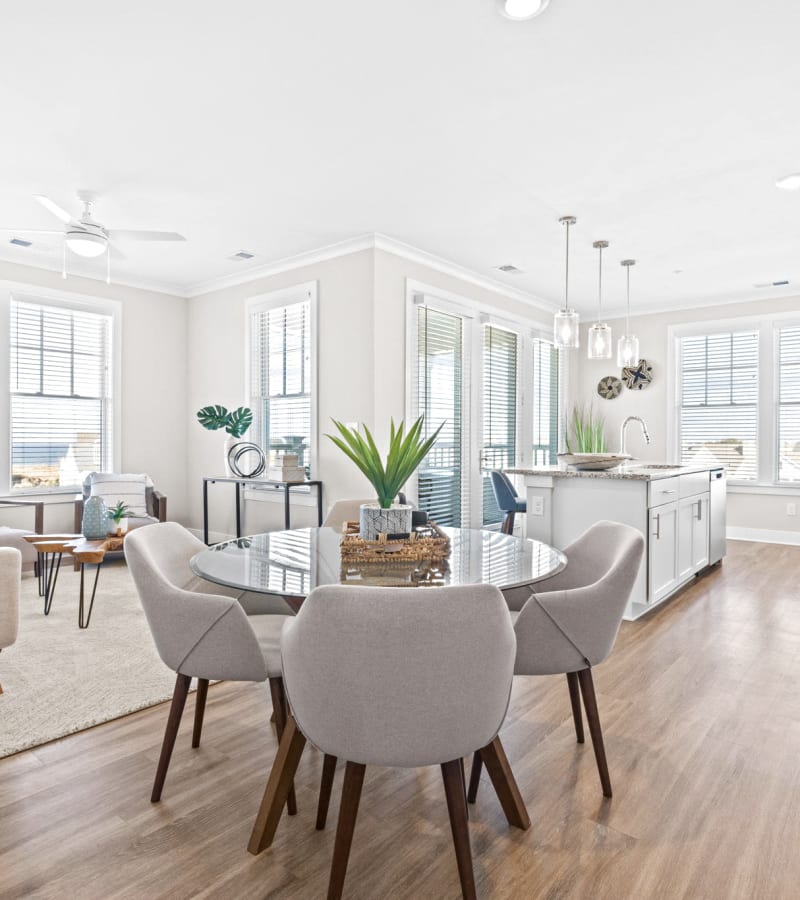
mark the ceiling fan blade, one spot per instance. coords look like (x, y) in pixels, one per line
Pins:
(115, 253)
(54, 208)
(30, 231)
(145, 235)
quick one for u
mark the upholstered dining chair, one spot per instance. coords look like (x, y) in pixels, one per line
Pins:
(507, 500)
(10, 576)
(343, 511)
(569, 624)
(199, 635)
(396, 677)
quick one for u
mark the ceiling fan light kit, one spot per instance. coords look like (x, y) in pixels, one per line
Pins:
(86, 237)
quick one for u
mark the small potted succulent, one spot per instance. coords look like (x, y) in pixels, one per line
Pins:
(235, 422)
(119, 514)
(406, 452)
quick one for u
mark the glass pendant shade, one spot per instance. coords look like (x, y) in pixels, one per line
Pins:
(566, 328)
(628, 350)
(599, 343)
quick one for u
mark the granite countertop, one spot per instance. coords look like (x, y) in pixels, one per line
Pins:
(628, 472)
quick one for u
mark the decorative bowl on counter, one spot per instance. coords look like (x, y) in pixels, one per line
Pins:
(593, 461)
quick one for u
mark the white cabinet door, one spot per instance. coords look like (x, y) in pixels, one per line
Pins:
(662, 550)
(692, 535)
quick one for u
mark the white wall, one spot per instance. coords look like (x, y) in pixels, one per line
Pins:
(153, 401)
(362, 367)
(745, 510)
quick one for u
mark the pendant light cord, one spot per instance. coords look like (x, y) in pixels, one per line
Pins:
(628, 313)
(600, 287)
(566, 276)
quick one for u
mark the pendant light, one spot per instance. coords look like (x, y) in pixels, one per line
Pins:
(566, 322)
(600, 345)
(628, 344)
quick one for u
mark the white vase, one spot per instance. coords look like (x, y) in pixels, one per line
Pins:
(119, 528)
(374, 521)
(230, 443)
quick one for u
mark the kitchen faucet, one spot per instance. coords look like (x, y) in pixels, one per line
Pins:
(623, 428)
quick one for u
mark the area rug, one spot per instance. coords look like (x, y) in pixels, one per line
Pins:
(58, 679)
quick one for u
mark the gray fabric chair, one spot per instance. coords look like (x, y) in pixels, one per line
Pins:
(199, 635)
(396, 677)
(570, 623)
(343, 511)
(10, 576)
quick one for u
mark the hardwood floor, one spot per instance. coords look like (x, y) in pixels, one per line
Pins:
(700, 706)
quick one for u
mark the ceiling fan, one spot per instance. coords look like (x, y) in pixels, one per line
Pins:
(87, 237)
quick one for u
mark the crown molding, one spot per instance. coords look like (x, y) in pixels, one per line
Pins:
(309, 258)
(45, 265)
(413, 254)
(373, 241)
(684, 305)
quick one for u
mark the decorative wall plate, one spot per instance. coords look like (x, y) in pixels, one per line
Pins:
(638, 377)
(609, 387)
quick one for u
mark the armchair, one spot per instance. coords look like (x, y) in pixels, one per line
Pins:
(14, 537)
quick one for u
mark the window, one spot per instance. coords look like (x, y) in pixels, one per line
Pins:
(499, 448)
(545, 389)
(440, 372)
(281, 374)
(719, 402)
(789, 403)
(60, 395)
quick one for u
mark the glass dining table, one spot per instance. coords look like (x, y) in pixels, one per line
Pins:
(290, 564)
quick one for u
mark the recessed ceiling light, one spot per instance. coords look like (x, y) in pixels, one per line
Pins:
(519, 10)
(789, 182)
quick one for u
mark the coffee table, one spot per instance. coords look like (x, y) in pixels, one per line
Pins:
(51, 548)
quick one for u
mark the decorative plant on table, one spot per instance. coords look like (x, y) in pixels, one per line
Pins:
(585, 431)
(235, 422)
(119, 514)
(406, 451)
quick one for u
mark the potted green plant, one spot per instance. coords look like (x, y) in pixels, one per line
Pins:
(406, 452)
(119, 514)
(235, 422)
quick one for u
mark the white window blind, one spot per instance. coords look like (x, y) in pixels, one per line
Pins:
(440, 372)
(718, 407)
(499, 411)
(546, 414)
(281, 379)
(60, 381)
(789, 403)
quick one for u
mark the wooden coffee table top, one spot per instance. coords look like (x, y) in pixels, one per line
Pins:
(77, 545)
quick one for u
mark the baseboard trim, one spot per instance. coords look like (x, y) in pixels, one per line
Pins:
(763, 535)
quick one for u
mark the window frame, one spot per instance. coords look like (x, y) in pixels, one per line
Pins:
(479, 314)
(289, 296)
(767, 328)
(27, 293)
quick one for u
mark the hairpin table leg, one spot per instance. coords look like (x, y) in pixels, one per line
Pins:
(81, 622)
(50, 578)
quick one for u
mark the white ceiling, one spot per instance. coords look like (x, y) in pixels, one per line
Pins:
(283, 127)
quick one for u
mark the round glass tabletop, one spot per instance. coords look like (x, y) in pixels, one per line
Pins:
(293, 563)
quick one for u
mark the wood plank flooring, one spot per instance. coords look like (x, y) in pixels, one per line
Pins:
(700, 704)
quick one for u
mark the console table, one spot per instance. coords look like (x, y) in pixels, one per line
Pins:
(286, 486)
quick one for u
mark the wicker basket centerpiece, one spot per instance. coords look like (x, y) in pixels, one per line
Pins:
(433, 546)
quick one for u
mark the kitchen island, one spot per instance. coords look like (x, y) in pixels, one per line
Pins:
(680, 510)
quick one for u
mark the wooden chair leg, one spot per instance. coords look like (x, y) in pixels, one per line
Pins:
(171, 732)
(505, 785)
(351, 794)
(199, 710)
(593, 718)
(575, 700)
(325, 788)
(475, 776)
(278, 786)
(457, 808)
(280, 711)
(508, 523)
